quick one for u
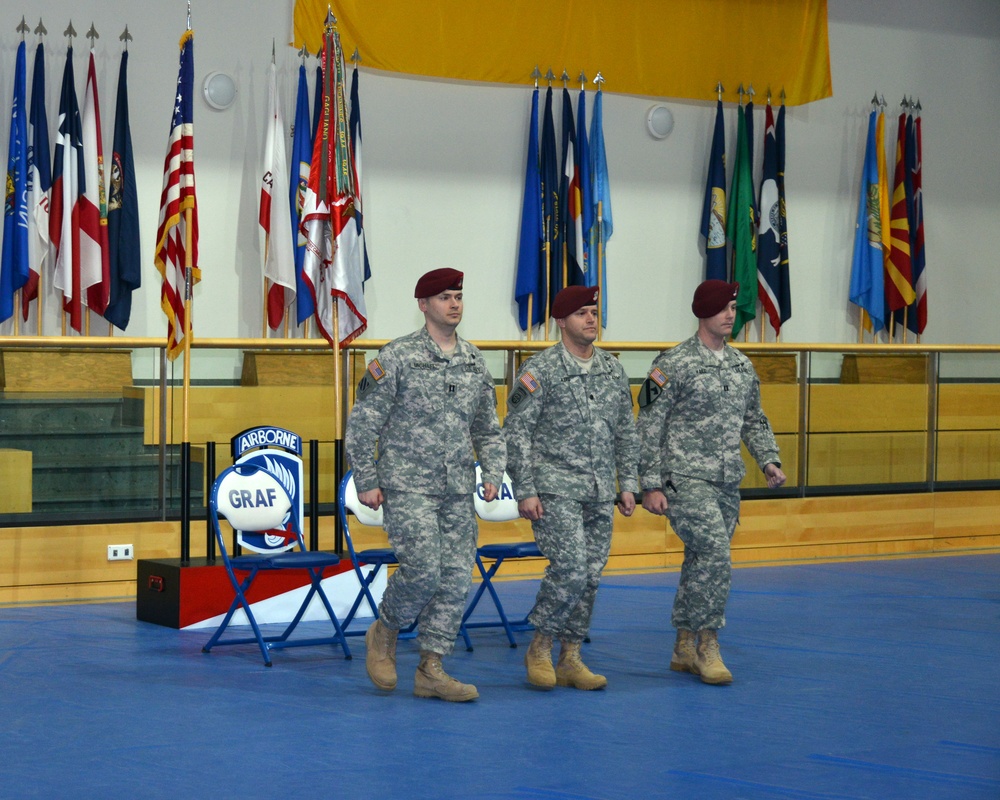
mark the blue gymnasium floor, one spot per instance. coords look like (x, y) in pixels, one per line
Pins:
(853, 680)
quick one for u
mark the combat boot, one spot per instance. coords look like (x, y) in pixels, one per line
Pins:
(685, 656)
(432, 681)
(380, 659)
(538, 660)
(709, 663)
(571, 671)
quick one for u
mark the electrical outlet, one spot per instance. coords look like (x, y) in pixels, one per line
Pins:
(120, 552)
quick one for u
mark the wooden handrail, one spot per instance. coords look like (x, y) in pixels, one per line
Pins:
(314, 345)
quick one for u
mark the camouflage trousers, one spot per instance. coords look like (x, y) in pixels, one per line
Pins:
(434, 537)
(575, 537)
(704, 517)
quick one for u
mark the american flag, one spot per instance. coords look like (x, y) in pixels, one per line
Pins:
(176, 200)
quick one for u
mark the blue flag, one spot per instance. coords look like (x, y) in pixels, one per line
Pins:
(603, 225)
(784, 292)
(769, 229)
(867, 283)
(14, 258)
(39, 183)
(713, 213)
(123, 213)
(302, 146)
(530, 282)
(355, 128)
(586, 190)
(548, 167)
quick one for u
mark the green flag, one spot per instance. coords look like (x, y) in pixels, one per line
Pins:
(741, 230)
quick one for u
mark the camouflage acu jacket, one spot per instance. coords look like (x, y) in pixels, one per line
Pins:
(693, 411)
(428, 417)
(571, 433)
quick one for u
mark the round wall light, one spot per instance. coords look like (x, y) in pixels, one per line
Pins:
(219, 90)
(659, 121)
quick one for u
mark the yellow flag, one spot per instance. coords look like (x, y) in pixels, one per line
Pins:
(680, 48)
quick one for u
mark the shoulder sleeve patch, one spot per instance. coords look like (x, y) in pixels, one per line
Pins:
(652, 387)
(527, 380)
(525, 387)
(370, 380)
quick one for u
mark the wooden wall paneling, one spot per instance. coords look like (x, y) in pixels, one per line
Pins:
(965, 515)
(968, 455)
(838, 459)
(73, 371)
(54, 564)
(15, 481)
(860, 408)
(969, 406)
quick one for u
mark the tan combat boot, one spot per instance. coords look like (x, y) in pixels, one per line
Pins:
(685, 655)
(380, 660)
(709, 663)
(538, 660)
(571, 671)
(432, 681)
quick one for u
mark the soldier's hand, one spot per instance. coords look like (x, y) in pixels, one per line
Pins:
(626, 503)
(530, 508)
(775, 477)
(654, 501)
(490, 492)
(372, 498)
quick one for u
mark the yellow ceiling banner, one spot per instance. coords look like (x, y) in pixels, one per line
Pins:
(656, 48)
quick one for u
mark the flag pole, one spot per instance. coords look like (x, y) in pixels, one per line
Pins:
(536, 74)
(41, 30)
(600, 267)
(599, 80)
(547, 229)
(565, 244)
(22, 29)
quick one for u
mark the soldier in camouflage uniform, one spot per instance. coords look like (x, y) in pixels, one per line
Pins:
(700, 399)
(427, 403)
(571, 443)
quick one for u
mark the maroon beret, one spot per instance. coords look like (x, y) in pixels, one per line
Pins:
(713, 296)
(437, 281)
(573, 298)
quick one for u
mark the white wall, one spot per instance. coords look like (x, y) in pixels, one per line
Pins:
(444, 165)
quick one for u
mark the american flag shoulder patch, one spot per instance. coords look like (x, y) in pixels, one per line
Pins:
(376, 370)
(658, 377)
(529, 382)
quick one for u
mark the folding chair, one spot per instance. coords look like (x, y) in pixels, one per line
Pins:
(503, 509)
(373, 558)
(253, 499)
